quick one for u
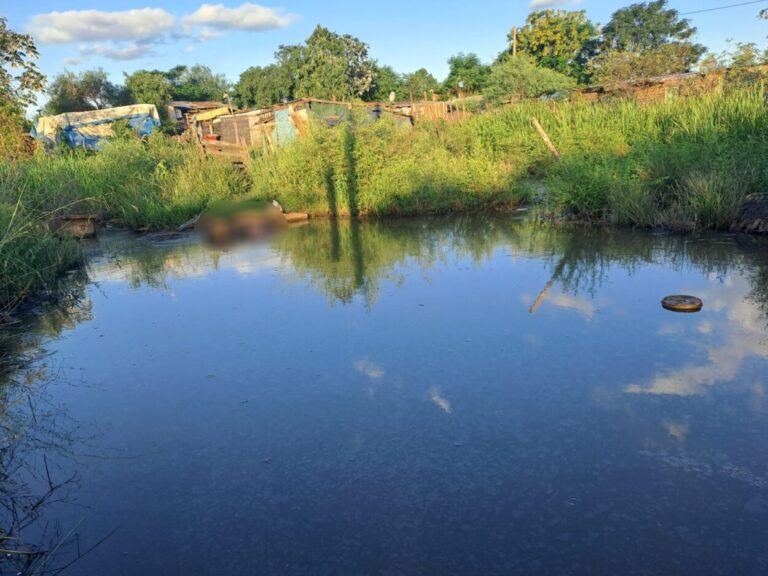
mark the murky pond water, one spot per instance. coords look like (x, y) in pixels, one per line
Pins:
(446, 396)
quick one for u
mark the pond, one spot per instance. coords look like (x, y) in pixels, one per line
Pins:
(429, 396)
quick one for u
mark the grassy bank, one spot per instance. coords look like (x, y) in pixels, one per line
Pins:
(153, 185)
(682, 164)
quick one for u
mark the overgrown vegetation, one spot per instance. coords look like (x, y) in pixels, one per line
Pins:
(155, 184)
(683, 164)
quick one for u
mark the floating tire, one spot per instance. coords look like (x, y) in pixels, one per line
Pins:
(680, 303)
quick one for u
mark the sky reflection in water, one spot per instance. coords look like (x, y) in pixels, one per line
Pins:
(378, 398)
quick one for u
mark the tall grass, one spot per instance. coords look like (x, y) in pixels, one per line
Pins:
(155, 184)
(685, 163)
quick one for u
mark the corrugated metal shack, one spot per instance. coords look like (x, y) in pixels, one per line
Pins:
(233, 133)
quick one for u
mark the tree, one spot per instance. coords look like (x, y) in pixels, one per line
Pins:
(262, 87)
(746, 54)
(467, 74)
(197, 83)
(710, 63)
(616, 66)
(385, 82)
(328, 65)
(90, 90)
(561, 40)
(419, 83)
(513, 79)
(648, 26)
(150, 87)
(19, 76)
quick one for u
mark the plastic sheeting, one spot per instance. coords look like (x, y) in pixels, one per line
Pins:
(89, 129)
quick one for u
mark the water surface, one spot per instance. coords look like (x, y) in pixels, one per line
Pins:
(444, 396)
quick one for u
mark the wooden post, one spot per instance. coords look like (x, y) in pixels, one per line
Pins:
(514, 42)
(546, 139)
(548, 287)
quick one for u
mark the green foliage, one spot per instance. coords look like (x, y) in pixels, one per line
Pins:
(514, 79)
(385, 82)
(197, 83)
(467, 74)
(385, 169)
(262, 87)
(710, 199)
(19, 76)
(561, 40)
(14, 139)
(150, 87)
(419, 83)
(648, 26)
(158, 184)
(616, 66)
(89, 90)
(745, 54)
(329, 66)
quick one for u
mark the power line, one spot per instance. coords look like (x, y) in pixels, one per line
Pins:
(724, 7)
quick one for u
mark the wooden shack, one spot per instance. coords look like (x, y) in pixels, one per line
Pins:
(230, 132)
(181, 111)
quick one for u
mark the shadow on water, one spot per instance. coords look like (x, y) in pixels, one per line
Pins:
(333, 205)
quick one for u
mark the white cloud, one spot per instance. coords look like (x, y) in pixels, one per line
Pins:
(439, 400)
(247, 16)
(370, 369)
(131, 52)
(95, 25)
(207, 34)
(541, 4)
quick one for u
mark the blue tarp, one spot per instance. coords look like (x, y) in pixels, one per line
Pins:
(89, 129)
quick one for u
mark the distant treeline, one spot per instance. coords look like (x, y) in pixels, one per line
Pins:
(554, 51)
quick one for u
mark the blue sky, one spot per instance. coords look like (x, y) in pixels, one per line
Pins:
(126, 35)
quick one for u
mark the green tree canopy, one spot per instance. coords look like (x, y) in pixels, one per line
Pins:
(419, 83)
(615, 66)
(150, 87)
(89, 90)
(514, 79)
(466, 69)
(385, 82)
(647, 26)
(19, 76)
(561, 40)
(197, 83)
(260, 87)
(328, 65)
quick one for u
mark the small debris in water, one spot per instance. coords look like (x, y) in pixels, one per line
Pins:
(682, 303)
(267, 461)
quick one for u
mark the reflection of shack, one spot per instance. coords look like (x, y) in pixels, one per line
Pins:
(182, 111)
(232, 133)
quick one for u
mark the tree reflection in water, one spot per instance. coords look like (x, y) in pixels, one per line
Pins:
(35, 434)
